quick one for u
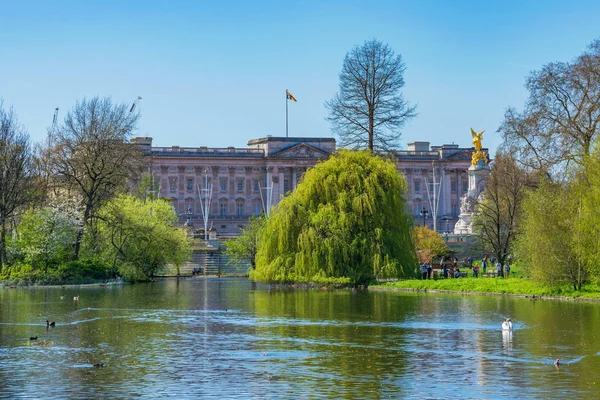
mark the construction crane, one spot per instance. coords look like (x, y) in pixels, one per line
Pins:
(135, 103)
(54, 120)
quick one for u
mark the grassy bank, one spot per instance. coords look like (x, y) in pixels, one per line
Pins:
(512, 286)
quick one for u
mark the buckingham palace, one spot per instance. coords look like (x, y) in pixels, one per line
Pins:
(225, 186)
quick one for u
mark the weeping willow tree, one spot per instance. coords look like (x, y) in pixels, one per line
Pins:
(346, 222)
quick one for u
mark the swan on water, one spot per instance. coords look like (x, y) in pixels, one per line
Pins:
(507, 325)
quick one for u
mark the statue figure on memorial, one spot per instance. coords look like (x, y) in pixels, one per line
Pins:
(467, 204)
(478, 154)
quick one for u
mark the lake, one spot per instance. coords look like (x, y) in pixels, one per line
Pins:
(231, 338)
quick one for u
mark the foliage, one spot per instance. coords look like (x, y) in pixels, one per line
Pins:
(428, 243)
(89, 155)
(587, 239)
(46, 236)
(141, 237)
(369, 109)
(561, 120)
(346, 218)
(512, 286)
(73, 272)
(245, 246)
(497, 215)
(16, 163)
(546, 247)
(147, 188)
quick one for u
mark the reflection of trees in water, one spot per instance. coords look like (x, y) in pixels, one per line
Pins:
(354, 333)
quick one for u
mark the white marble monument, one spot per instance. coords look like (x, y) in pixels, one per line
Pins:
(478, 173)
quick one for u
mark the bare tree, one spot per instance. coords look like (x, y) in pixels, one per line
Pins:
(15, 172)
(561, 119)
(89, 154)
(497, 215)
(369, 109)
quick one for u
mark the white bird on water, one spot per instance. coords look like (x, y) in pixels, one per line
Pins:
(507, 325)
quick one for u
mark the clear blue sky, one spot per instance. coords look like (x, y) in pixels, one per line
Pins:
(214, 73)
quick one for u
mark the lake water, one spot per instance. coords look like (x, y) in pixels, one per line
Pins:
(230, 338)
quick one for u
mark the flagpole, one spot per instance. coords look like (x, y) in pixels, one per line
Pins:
(286, 113)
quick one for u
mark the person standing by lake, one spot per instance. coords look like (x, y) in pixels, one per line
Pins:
(499, 269)
(484, 264)
(423, 271)
(476, 270)
(506, 270)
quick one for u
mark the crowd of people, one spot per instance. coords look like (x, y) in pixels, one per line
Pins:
(450, 268)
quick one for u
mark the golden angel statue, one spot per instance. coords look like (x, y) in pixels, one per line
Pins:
(478, 154)
(477, 139)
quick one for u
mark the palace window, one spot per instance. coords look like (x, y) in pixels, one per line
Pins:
(417, 186)
(465, 186)
(256, 185)
(286, 185)
(257, 209)
(453, 185)
(173, 184)
(223, 183)
(223, 208)
(240, 185)
(454, 208)
(190, 185)
(240, 208)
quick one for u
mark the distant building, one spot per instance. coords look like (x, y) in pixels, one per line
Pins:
(246, 180)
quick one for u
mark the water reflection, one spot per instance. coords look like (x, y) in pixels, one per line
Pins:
(235, 339)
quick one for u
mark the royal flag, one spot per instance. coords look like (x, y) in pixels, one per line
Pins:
(289, 96)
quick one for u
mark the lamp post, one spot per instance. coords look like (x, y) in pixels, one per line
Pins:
(424, 213)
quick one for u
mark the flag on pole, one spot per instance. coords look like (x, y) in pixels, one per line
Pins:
(289, 96)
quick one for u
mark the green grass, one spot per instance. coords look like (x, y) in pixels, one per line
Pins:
(513, 286)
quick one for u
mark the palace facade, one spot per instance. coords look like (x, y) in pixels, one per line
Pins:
(245, 181)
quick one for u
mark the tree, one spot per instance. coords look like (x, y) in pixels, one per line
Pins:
(560, 123)
(90, 156)
(147, 188)
(47, 235)
(550, 246)
(15, 172)
(140, 237)
(245, 246)
(428, 244)
(497, 215)
(369, 109)
(347, 220)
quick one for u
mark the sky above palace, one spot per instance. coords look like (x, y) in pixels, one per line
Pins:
(214, 73)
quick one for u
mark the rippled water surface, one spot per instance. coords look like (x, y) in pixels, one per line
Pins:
(230, 338)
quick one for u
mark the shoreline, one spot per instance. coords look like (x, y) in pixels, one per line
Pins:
(461, 292)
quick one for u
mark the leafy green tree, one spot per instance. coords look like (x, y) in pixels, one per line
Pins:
(47, 235)
(550, 246)
(147, 188)
(346, 220)
(141, 237)
(89, 155)
(428, 243)
(587, 234)
(245, 246)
